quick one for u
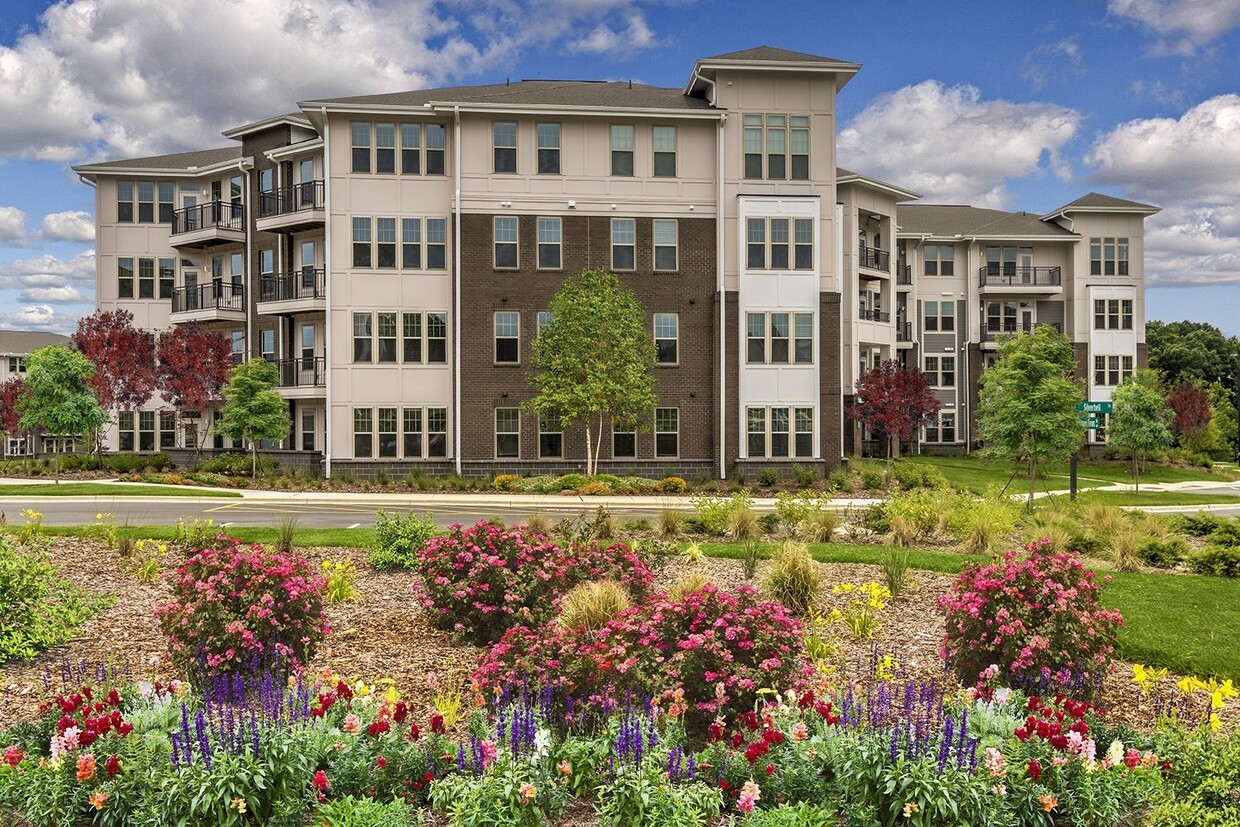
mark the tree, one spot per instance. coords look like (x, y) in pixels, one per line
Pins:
(595, 358)
(1027, 411)
(124, 360)
(253, 408)
(1187, 350)
(10, 393)
(1139, 419)
(1224, 414)
(1190, 408)
(894, 400)
(58, 397)
(193, 366)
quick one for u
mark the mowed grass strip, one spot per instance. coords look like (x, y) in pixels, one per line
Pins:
(110, 489)
(977, 475)
(305, 537)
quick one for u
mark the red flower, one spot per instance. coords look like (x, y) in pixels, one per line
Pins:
(773, 736)
(344, 691)
(320, 781)
(428, 776)
(125, 728)
(382, 762)
(87, 738)
(400, 713)
(770, 769)
(1034, 770)
(112, 766)
(378, 728)
(714, 732)
(437, 724)
(414, 732)
(737, 740)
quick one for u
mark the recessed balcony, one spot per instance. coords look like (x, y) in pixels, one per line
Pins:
(904, 333)
(302, 378)
(208, 225)
(993, 330)
(297, 292)
(872, 258)
(292, 209)
(219, 301)
(1006, 277)
(873, 315)
(904, 275)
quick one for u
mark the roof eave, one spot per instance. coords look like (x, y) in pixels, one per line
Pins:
(164, 172)
(822, 67)
(445, 107)
(292, 150)
(900, 193)
(238, 132)
(1066, 211)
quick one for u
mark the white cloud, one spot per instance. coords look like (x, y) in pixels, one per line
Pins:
(12, 227)
(35, 317)
(60, 295)
(1058, 60)
(954, 147)
(71, 225)
(1181, 27)
(617, 42)
(133, 77)
(49, 271)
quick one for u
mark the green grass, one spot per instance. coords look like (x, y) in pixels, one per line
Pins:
(977, 475)
(303, 537)
(110, 489)
(1157, 498)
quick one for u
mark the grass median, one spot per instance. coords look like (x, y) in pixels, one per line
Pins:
(110, 489)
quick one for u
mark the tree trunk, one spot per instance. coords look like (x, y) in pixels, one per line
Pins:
(1033, 479)
(56, 465)
(253, 459)
(589, 449)
(1136, 473)
(598, 444)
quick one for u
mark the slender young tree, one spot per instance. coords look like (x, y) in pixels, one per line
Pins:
(894, 400)
(1139, 419)
(595, 359)
(10, 392)
(1190, 408)
(124, 360)
(58, 398)
(253, 408)
(193, 366)
(1027, 411)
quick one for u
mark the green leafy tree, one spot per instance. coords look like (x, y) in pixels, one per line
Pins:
(253, 409)
(57, 397)
(1140, 419)
(1182, 351)
(1223, 405)
(595, 359)
(1027, 411)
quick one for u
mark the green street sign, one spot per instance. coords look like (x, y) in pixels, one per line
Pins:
(1093, 407)
(1090, 421)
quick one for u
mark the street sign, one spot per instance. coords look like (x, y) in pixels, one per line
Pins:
(1090, 421)
(1093, 407)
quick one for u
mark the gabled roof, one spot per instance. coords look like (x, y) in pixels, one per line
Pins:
(846, 176)
(1098, 202)
(529, 93)
(951, 220)
(177, 162)
(290, 118)
(770, 59)
(768, 54)
(21, 342)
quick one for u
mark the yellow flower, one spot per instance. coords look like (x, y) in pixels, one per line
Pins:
(1048, 801)
(98, 798)
(910, 808)
(528, 793)
(238, 804)
(99, 516)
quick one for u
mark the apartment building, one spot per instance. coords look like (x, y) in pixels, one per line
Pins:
(395, 255)
(15, 346)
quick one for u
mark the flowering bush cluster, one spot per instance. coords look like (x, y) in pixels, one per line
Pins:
(716, 648)
(1034, 615)
(236, 606)
(482, 580)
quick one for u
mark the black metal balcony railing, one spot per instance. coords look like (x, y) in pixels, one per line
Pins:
(307, 195)
(1009, 327)
(904, 331)
(220, 295)
(1007, 274)
(307, 283)
(306, 372)
(874, 315)
(219, 214)
(873, 258)
(904, 274)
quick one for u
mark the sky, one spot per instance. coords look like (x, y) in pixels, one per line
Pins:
(1010, 105)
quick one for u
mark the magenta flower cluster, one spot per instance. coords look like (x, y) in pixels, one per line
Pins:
(243, 604)
(1035, 615)
(482, 580)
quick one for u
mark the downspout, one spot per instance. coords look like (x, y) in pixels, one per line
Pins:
(723, 301)
(248, 271)
(327, 297)
(456, 289)
(968, 340)
(839, 280)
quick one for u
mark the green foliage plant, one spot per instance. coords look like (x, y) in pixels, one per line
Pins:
(643, 795)
(895, 570)
(398, 539)
(38, 608)
(1140, 420)
(1163, 553)
(588, 606)
(341, 581)
(253, 409)
(793, 578)
(353, 811)
(57, 397)
(715, 512)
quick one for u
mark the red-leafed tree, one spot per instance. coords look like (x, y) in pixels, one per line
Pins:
(10, 419)
(895, 401)
(124, 359)
(1190, 403)
(193, 367)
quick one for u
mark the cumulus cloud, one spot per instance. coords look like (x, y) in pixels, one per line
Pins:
(71, 225)
(1059, 60)
(60, 295)
(136, 77)
(955, 147)
(1180, 27)
(34, 317)
(49, 271)
(12, 227)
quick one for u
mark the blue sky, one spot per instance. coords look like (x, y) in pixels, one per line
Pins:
(1021, 106)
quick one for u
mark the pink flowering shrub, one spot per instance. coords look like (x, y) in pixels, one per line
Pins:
(482, 580)
(1034, 616)
(238, 606)
(719, 647)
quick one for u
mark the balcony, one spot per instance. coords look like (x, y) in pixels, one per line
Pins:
(873, 258)
(873, 315)
(904, 274)
(904, 332)
(292, 209)
(991, 331)
(208, 225)
(297, 292)
(302, 377)
(1008, 278)
(219, 301)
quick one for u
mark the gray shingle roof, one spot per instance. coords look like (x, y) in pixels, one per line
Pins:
(1098, 201)
(952, 219)
(770, 53)
(176, 161)
(21, 342)
(536, 93)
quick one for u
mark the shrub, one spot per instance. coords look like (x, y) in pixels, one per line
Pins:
(1163, 554)
(595, 488)
(1198, 525)
(793, 578)
(479, 581)
(911, 476)
(841, 481)
(1227, 534)
(539, 523)
(872, 478)
(399, 539)
(236, 605)
(349, 811)
(1036, 617)
(805, 477)
(588, 606)
(895, 570)
(234, 464)
(819, 526)
(505, 482)
(671, 522)
(742, 523)
(341, 581)
(768, 477)
(713, 512)
(1220, 561)
(38, 609)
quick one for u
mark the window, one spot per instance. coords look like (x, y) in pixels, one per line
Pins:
(939, 316)
(436, 432)
(385, 242)
(411, 430)
(267, 191)
(410, 148)
(124, 424)
(768, 339)
(1112, 370)
(362, 330)
(548, 148)
(17, 364)
(146, 430)
(411, 338)
(387, 337)
(411, 243)
(363, 432)
(784, 142)
(146, 278)
(436, 141)
(780, 432)
(803, 436)
(505, 146)
(360, 133)
(361, 242)
(779, 244)
(387, 432)
(166, 203)
(623, 444)
(803, 243)
(803, 341)
(666, 243)
(1108, 256)
(761, 255)
(236, 267)
(1113, 314)
(550, 437)
(666, 432)
(167, 429)
(436, 338)
(436, 243)
(664, 140)
(939, 260)
(666, 337)
(266, 263)
(146, 202)
(544, 319)
(267, 345)
(941, 371)
(1125, 314)
(124, 278)
(623, 243)
(507, 332)
(755, 241)
(548, 243)
(307, 430)
(505, 242)
(621, 150)
(238, 347)
(507, 432)
(124, 202)
(385, 148)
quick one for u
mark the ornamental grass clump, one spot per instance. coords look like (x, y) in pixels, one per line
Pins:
(1035, 615)
(243, 604)
(481, 580)
(793, 578)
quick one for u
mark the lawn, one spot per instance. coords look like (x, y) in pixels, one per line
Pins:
(977, 475)
(306, 537)
(110, 489)
(1130, 498)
